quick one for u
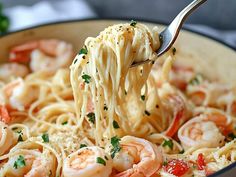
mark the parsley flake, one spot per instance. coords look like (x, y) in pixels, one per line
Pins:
(82, 145)
(86, 78)
(133, 23)
(84, 50)
(147, 113)
(45, 138)
(143, 97)
(101, 161)
(20, 162)
(20, 138)
(91, 117)
(115, 142)
(165, 163)
(174, 51)
(115, 124)
(232, 135)
(105, 108)
(75, 60)
(168, 143)
(64, 123)
(196, 80)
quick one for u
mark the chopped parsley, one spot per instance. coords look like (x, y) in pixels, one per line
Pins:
(105, 108)
(20, 138)
(168, 143)
(133, 23)
(196, 80)
(91, 117)
(106, 157)
(115, 124)
(232, 135)
(165, 163)
(75, 60)
(84, 50)
(147, 113)
(86, 78)
(14, 128)
(101, 161)
(143, 97)
(45, 138)
(64, 123)
(20, 162)
(174, 51)
(181, 152)
(115, 142)
(82, 145)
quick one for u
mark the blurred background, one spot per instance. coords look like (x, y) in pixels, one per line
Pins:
(215, 17)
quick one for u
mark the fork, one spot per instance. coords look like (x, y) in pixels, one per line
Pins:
(169, 35)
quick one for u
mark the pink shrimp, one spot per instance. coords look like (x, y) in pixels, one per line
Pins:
(33, 164)
(178, 117)
(6, 138)
(16, 94)
(205, 130)
(137, 157)
(88, 161)
(44, 54)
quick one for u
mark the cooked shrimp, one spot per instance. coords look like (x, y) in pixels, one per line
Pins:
(6, 138)
(33, 164)
(222, 120)
(137, 157)
(181, 75)
(206, 94)
(44, 55)
(17, 94)
(9, 70)
(26, 156)
(175, 107)
(88, 161)
(43, 166)
(200, 132)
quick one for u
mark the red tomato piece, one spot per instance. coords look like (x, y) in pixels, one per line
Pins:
(176, 167)
(201, 164)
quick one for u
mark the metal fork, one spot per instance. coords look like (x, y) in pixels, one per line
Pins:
(170, 34)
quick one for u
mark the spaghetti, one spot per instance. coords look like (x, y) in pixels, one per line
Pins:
(105, 118)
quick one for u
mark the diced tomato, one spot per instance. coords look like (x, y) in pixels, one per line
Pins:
(176, 167)
(201, 164)
(20, 57)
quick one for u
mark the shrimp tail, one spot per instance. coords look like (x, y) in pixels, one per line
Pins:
(22, 53)
(4, 115)
(179, 117)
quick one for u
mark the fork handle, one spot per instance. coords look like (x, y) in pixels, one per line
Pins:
(181, 17)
